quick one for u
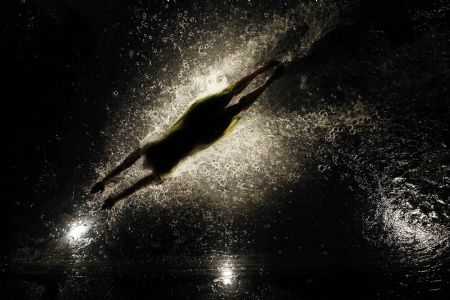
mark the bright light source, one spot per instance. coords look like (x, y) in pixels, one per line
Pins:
(226, 274)
(77, 231)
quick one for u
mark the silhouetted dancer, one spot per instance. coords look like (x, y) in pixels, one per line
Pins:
(201, 125)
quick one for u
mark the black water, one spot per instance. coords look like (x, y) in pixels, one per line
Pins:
(335, 184)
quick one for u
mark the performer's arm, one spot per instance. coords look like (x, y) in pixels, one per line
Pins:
(241, 84)
(250, 98)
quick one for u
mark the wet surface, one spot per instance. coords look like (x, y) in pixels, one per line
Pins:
(335, 183)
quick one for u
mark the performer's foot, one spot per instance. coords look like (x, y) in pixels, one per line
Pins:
(98, 187)
(272, 63)
(108, 204)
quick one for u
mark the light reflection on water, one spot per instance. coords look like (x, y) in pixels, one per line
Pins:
(78, 233)
(227, 273)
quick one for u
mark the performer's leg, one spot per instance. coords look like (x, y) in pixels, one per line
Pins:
(110, 201)
(125, 164)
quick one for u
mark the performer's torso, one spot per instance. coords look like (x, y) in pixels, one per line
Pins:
(205, 122)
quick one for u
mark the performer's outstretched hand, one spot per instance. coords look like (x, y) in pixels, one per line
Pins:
(279, 70)
(273, 63)
(270, 64)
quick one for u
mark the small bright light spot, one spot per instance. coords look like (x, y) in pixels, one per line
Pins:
(77, 231)
(226, 274)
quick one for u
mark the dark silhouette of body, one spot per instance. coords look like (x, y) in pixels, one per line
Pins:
(206, 121)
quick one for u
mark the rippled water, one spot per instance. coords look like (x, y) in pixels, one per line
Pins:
(337, 167)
